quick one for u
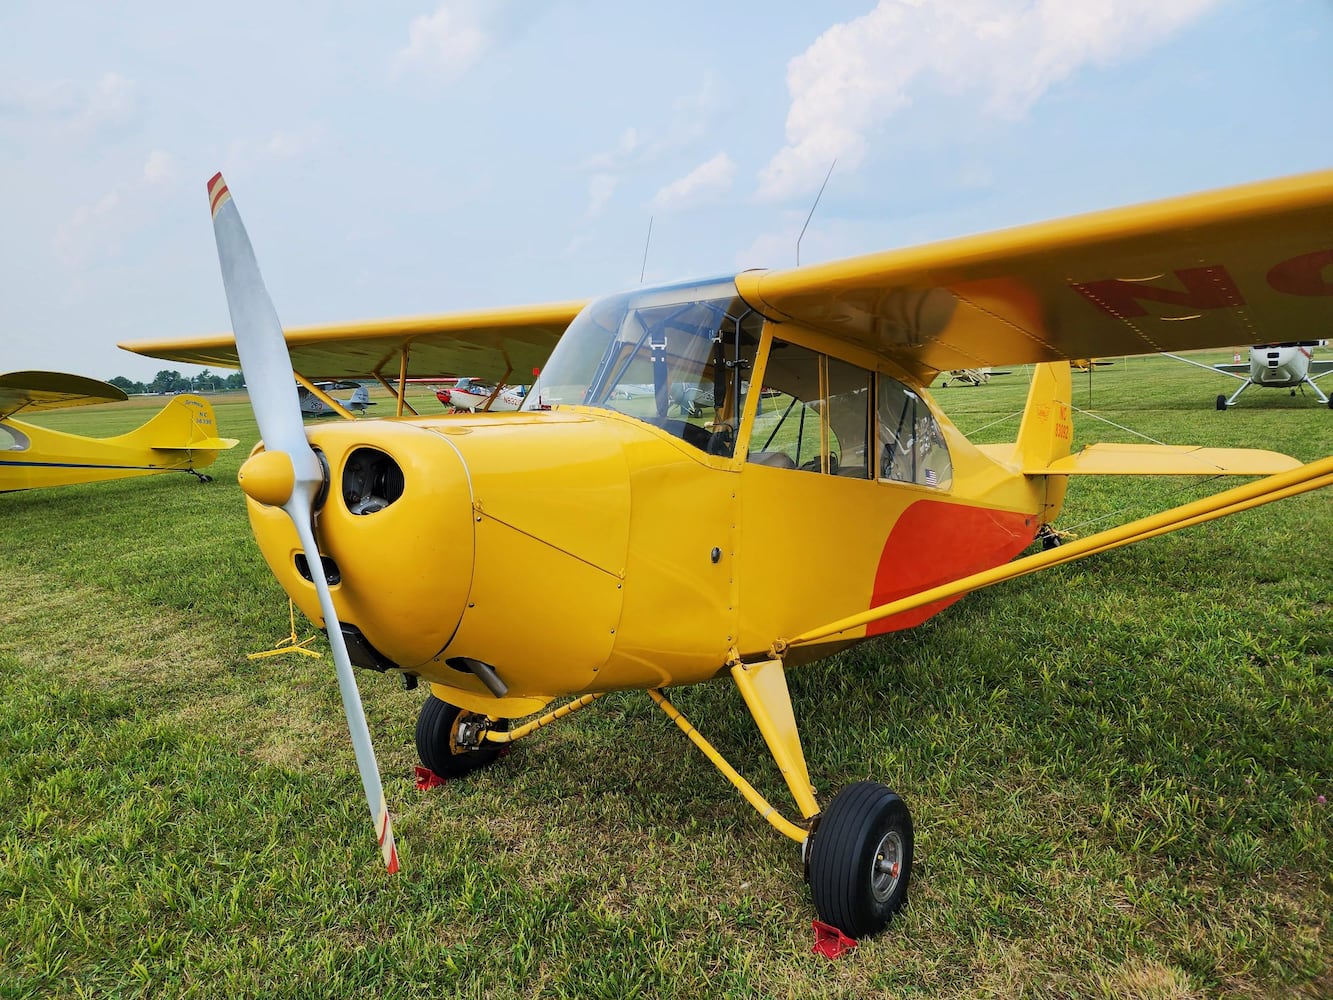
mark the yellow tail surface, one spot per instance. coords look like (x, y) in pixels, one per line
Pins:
(1047, 430)
(186, 423)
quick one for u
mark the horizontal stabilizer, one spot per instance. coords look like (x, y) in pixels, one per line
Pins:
(1166, 460)
(206, 444)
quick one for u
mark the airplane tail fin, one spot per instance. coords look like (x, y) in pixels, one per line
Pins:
(1047, 430)
(186, 423)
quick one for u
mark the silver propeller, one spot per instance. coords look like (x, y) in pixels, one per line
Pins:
(288, 473)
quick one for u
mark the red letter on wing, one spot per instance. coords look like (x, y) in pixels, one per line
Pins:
(1303, 275)
(1204, 288)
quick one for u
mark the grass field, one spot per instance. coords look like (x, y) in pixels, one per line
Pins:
(1115, 768)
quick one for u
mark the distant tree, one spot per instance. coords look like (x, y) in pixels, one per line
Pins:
(165, 381)
(235, 381)
(126, 386)
(206, 380)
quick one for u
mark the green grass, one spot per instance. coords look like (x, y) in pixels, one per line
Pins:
(1114, 769)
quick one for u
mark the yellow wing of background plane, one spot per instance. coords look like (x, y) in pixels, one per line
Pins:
(488, 344)
(1236, 266)
(31, 391)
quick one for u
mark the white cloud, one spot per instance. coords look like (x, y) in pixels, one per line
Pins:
(618, 158)
(702, 184)
(90, 227)
(110, 102)
(449, 42)
(859, 74)
(293, 144)
(691, 118)
(160, 168)
(278, 147)
(80, 107)
(600, 189)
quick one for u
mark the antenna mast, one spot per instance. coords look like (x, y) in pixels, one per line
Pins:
(812, 209)
(644, 269)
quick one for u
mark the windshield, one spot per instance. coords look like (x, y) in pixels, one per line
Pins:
(676, 357)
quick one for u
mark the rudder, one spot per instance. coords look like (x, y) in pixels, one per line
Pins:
(1047, 431)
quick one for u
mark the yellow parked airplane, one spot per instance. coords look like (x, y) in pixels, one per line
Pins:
(968, 376)
(648, 536)
(181, 437)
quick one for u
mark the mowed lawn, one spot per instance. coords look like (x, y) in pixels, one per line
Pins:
(1118, 769)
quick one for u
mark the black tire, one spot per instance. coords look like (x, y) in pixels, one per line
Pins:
(1221, 402)
(861, 859)
(437, 740)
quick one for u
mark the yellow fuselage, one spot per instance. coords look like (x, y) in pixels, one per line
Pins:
(182, 436)
(581, 550)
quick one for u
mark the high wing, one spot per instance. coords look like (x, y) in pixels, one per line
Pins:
(1239, 265)
(488, 343)
(337, 386)
(1234, 266)
(29, 391)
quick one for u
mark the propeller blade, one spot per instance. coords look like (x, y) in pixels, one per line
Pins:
(272, 386)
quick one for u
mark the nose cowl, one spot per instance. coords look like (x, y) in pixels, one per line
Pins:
(397, 523)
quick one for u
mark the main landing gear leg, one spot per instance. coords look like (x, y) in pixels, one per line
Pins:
(858, 853)
(1224, 402)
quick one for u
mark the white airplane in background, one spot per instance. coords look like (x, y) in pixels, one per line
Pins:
(313, 406)
(472, 394)
(1289, 365)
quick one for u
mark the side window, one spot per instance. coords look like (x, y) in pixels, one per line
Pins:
(911, 444)
(787, 425)
(849, 419)
(814, 414)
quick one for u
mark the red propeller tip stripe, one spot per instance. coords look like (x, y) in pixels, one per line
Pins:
(217, 193)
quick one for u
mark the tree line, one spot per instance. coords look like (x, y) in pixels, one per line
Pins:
(172, 381)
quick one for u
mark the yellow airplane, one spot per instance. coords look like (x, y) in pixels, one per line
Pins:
(968, 376)
(181, 437)
(648, 537)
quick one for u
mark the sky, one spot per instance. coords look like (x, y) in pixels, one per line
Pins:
(407, 158)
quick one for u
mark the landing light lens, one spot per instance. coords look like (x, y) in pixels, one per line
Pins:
(371, 481)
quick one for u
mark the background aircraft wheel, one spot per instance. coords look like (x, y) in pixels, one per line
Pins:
(861, 859)
(1221, 402)
(437, 739)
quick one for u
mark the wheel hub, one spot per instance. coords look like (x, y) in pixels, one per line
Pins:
(887, 866)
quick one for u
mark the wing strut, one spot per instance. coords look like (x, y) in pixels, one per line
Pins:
(1313, 476)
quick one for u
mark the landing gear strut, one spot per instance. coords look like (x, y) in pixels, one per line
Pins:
(451, 741)
(858, 852)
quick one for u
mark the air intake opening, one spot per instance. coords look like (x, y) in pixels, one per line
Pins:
(332, 575)
(371, 481)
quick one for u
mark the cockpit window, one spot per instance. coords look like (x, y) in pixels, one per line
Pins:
(677, 357)
(912, 445)
(12, 439)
